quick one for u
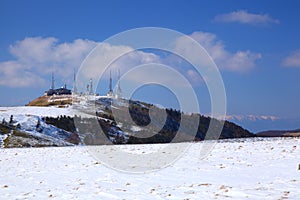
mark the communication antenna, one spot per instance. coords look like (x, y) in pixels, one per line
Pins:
(52, 84)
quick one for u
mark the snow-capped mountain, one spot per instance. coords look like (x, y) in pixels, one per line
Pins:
(258, 123)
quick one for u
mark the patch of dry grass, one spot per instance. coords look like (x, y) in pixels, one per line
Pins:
(44, 101)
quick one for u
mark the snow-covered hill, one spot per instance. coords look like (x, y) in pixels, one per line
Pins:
(24, 131)
(252, 168)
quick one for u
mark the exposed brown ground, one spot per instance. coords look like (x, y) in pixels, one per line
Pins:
(61, 100)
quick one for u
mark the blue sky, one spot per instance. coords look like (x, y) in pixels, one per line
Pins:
(255, 44)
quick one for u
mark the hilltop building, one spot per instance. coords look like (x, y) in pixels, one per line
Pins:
(89, 88)
(75, 84)
(60, 91)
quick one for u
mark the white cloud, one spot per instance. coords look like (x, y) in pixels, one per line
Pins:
(251, 117)
(293, 60)
(239, 61)
(35, 50)
(244, 17)
(107, 57)
(194, 77)
(37, 56)
(14, 74)
(135, 58)
(46, 54)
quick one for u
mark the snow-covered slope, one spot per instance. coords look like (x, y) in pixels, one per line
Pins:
(35, 110)
(26, 119)
(252, 168)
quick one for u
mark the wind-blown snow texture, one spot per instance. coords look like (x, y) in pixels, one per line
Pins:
(252, 168)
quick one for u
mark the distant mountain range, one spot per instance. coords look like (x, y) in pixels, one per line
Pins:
(277, 133)
(259, 123)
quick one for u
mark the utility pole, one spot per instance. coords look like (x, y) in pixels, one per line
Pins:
(91, 87)
(110, 93)
(119, 91)
(52, 84)
(110, 83)
(74, 87)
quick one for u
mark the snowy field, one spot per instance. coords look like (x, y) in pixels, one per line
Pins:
(253, 168)
(36, 110)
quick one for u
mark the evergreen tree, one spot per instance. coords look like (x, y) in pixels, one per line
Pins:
(18, 126)
(11, 120)
(38, 126)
